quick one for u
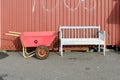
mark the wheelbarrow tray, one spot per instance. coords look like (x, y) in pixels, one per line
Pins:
(35, 39)
(40, 40)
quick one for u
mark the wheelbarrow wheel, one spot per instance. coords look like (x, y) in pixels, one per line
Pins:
(42, 52)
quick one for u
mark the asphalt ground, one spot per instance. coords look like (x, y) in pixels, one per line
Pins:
(72, 66)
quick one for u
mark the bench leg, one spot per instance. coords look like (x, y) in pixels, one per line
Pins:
(104, 50)
(61, 52)
(61, 49)
(99, 48)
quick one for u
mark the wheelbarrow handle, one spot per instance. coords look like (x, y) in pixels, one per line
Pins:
(9, 34)
(13, 32)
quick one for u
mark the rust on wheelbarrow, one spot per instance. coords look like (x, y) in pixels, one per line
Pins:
(39, 40)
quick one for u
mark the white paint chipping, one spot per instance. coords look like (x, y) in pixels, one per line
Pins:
(71, 9)
(34, 5)
(82, 2)
(47, 9)
(87, 7)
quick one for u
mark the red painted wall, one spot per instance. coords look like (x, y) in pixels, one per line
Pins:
(47, 15)
(0, 23)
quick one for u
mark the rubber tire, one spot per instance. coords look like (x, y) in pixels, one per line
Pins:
(38, 55)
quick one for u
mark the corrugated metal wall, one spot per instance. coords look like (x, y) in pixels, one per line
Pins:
(45, 15)
(0, 23)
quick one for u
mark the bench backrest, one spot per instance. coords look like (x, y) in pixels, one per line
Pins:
(79, 31)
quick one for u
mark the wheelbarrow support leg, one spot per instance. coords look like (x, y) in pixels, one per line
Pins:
(26, 54)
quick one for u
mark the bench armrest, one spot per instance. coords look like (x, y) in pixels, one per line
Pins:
(102, 35)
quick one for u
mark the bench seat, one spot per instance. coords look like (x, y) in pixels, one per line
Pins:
(83, 41)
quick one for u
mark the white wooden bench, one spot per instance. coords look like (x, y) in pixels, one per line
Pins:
(81, 35)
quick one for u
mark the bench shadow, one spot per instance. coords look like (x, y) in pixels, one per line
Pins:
(114, 18)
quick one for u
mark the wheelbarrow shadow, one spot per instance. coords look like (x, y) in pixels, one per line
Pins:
(3, 55)
(18, 46)
(55, 45)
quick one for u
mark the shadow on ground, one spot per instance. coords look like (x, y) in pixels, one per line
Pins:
(2, 76)
(3, 55)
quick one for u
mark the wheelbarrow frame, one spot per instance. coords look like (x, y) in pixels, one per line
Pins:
(25, 53)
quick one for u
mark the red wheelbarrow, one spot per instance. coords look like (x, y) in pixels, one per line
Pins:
(39, 40)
